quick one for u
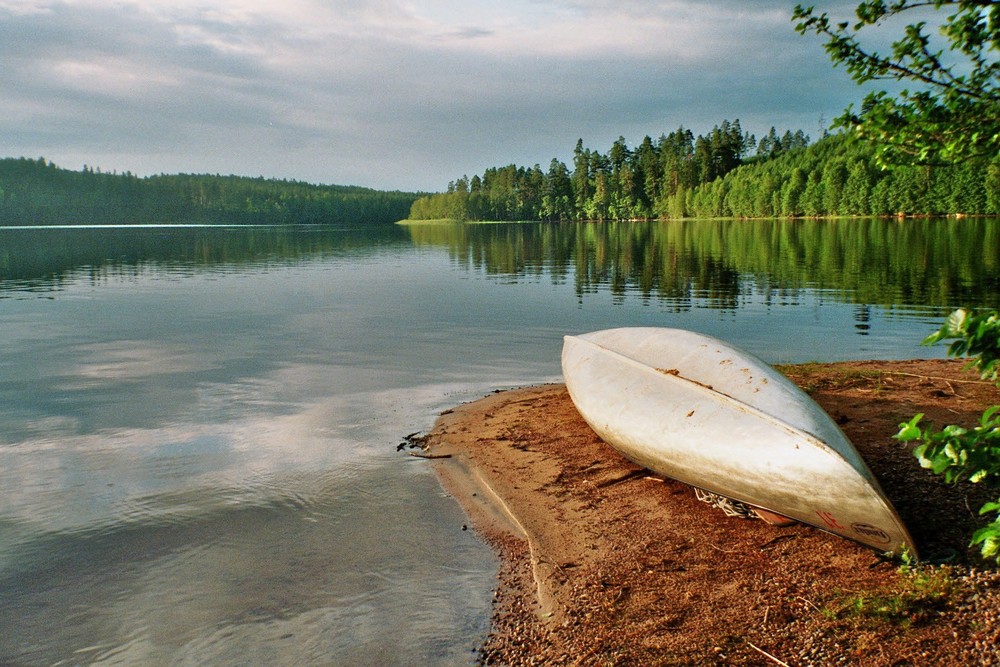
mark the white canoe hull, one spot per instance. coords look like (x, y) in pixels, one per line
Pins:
(695, 409)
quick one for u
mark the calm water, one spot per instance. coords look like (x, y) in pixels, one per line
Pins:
(198, 426)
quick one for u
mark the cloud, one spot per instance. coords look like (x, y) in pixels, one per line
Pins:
(390, 93)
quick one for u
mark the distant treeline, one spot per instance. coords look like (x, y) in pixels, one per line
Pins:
(37, 192)
(726, 173)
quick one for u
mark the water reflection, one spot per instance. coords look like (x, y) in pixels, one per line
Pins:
(250, 584)
(37, 261)
(931, 263)
(282, 536)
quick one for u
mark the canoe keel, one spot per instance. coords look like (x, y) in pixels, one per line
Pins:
(695, 409)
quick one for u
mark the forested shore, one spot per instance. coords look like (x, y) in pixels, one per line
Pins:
(37, 192)
(726, 173)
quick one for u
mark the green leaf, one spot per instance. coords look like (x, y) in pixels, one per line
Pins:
(955, 323)
(989, 538)
(989, 507)
(910, 430)
(953, 431)
(987, 419)
(954, 326)
(939, 465)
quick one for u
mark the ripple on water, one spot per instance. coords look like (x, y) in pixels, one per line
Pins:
(313, 570)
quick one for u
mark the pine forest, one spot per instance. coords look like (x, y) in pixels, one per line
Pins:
(37, 192)
(724, 174)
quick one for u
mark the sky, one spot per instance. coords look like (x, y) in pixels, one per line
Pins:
(394, 94)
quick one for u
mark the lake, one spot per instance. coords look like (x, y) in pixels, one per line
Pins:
(198, 425)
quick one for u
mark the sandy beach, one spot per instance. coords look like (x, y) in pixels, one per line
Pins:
(604, 564)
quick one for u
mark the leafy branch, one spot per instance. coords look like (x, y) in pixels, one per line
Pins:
(955, 115)
(967, 454)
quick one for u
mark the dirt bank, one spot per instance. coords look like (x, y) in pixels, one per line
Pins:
(603, 564)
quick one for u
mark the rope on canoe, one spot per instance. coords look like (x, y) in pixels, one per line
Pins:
(728, 505)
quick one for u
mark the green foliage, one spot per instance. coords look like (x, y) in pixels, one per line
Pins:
(662, 179)
(974, 335)
(36, 192)
(988, 537)
(953, 114)
(648, 181)
(839, 177)
(956, 452)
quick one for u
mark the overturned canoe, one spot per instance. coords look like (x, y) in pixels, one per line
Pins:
(695, 409)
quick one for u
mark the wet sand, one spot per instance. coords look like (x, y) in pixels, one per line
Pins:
(603, 563)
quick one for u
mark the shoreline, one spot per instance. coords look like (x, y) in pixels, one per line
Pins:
(603, 563)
